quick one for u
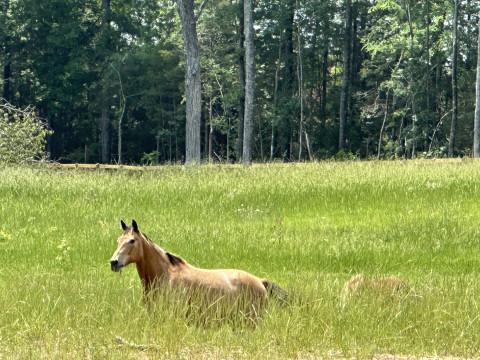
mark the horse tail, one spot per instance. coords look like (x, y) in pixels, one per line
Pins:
(275, 290)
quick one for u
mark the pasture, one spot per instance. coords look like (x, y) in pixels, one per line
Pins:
(307, 227)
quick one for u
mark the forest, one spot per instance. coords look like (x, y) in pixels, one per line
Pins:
(339, 79)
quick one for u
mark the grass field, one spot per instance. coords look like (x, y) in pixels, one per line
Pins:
(307, 227)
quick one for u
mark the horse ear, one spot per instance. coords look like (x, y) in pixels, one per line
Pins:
(135, 226)
(124, 226)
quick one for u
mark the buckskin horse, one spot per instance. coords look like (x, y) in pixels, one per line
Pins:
(159, 269)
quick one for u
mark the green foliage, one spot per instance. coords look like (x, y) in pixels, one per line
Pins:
(342, 155)
(59, 57)
(22, 135)
(150, 158)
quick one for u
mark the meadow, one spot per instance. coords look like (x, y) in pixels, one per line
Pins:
(307, 227)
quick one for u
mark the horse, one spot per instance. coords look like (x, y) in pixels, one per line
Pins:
(382, 287)
(159, 269)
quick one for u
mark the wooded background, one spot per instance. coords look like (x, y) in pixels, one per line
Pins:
(344, 78)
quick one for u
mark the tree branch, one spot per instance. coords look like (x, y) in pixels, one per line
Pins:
(200, 9)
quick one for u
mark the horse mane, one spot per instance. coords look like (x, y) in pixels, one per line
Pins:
(175, 260)
(146, 237)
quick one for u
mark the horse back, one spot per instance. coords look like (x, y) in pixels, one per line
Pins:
(227, 281)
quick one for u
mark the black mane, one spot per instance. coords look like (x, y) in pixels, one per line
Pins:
(175, 260)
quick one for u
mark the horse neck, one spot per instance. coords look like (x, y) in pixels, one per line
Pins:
(153, 266)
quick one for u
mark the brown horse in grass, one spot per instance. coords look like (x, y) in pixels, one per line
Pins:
(382, 287)
(159, 269)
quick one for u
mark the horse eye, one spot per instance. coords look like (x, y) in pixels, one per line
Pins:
(132, 241)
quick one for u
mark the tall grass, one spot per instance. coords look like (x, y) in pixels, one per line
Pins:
(307, 227)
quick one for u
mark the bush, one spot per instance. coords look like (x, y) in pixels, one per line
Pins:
(343, 155)
(149, 158)
(22, 134)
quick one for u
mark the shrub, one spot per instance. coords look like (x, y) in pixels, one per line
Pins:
(22, 134)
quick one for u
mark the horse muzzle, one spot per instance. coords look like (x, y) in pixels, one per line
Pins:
(115, 265)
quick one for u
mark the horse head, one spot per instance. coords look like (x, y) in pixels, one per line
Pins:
(129, 247)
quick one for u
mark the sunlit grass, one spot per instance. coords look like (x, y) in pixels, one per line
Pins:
(307, 227)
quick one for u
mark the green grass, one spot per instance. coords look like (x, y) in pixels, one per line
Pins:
(307, 227)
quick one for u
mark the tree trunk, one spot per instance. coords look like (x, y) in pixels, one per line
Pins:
(275, 96)
(324, 83)
(476, 131)
(300, 86)
(210, 132)
(241, 78)
(192, 80)
(346, 74)
(411, 83)
(123, 106)
(428, 56)
(451, 143)
(385, 117)
(6, 67)
(288, 75)
(120, 124)
(249, 82)
(105, 131)
(105, 124)
(228, 138)
(427, 79)
(402, 139)
(7, 71)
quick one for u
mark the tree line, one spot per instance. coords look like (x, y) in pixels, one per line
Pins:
(152, 81)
